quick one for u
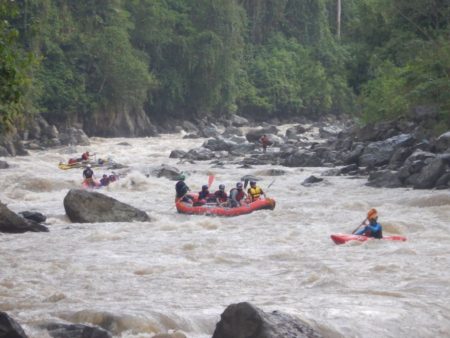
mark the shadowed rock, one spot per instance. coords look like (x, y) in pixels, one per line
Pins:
(243, 320)
(12, 223)
(92, 207)
(9, 328)
(57, 330)
(167, 171)
(34, 216)
(311, 180)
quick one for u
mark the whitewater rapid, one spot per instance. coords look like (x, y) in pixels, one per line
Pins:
(180, 272)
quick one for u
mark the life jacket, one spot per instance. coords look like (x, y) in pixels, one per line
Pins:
(221, 196)
(85, 156)
(104, 181)
(204, 194)
(255, 192)
(239, 195)
(72, 161)
(375, 231)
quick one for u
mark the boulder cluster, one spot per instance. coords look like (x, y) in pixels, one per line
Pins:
(392, 154)
(238, 320)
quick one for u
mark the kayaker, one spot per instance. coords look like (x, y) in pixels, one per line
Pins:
(373, 229)
(221, 196)
(104, 180)
(85, 156)
(87, 174)
(204, 195)
(182, 189)
(113, 177)
(237, 195)
(255, 192)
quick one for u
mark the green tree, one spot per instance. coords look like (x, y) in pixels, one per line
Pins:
(15, 65)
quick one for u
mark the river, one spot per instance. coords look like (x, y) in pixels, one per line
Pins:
(180, 272)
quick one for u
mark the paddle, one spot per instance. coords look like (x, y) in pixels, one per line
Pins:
(210, 180)
(267, 189)
(359, 226)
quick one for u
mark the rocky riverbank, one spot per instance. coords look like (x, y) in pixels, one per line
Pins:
(392, 154)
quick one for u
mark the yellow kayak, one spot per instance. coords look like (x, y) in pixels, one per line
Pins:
(66, 166)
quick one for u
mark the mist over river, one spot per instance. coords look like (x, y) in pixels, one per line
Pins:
(180, 272)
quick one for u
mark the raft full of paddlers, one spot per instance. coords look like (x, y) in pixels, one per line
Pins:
(219, 203)
(212, 209)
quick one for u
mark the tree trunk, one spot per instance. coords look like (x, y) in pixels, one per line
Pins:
(338, 19)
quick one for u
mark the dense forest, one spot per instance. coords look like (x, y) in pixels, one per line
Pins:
(99, 63)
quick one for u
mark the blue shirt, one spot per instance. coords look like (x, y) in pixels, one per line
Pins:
(371, 230)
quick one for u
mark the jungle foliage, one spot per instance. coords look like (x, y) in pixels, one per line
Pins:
(206, 58)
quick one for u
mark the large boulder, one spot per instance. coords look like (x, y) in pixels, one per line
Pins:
(200, 154)
(218, 144)
(254, 135)
(239, 121)
(379, 153)
(74, 136)
(4, 165)
(384, 179)
(9, 328)
(167, 171)
(12, 223)
(303, 158)
(428, 176)
(84, 206)
(443, 142)
(244, 320)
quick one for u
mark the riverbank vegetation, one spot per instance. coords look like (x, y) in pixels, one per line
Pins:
(88, 62)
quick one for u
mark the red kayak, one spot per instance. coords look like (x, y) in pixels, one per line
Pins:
(214, 210)
(344, 238)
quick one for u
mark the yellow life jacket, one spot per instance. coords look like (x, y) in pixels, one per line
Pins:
(255, 192)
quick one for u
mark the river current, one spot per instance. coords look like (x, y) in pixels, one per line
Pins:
(180, 272)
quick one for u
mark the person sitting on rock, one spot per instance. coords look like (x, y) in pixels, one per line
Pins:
(237, 195)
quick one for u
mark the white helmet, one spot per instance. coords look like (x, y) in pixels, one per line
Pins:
(88, 166)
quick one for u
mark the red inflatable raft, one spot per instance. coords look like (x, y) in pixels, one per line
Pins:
(344, 238)
(214, 210)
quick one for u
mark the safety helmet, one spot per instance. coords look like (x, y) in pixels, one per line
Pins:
(104, 175)
(88, 166)
(182, 177)
(204, 187)
(372, 214)
(221, 187)
(252, 182)
(239, 185)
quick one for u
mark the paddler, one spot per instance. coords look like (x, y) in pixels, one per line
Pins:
(182, 189)
(87, 174)
(255, 192)
(237, 195)
(373, 229)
